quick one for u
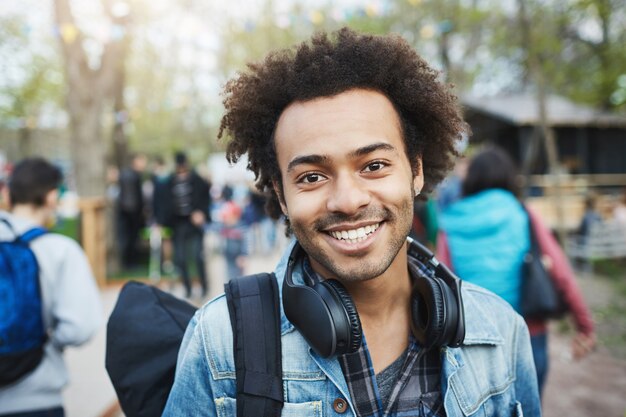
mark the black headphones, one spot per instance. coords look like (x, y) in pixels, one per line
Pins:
(325, 315)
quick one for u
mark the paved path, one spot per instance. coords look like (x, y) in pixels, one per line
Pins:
(595, 386)
(592, 387)
(90, 392)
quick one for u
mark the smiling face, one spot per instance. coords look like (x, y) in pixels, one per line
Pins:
(347, 183)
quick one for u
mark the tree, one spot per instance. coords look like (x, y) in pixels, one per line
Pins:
(593, 36)
(90, 88)
(34, 89)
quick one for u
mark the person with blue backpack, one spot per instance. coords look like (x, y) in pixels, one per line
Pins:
(48, 296)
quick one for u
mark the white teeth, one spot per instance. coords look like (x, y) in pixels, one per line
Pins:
(355, 235)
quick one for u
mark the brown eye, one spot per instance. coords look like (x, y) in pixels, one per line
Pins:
(311, 178)
(374, 166)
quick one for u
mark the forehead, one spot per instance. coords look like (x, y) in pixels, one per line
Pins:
(356, 116)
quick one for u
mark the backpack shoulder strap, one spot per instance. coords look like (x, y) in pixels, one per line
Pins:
(253, 304)
(32, 234)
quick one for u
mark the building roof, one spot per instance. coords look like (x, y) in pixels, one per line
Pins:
(522, 110)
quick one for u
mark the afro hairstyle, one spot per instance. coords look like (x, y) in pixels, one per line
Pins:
(328, 65)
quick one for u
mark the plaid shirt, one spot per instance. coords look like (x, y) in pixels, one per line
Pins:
(417, 391)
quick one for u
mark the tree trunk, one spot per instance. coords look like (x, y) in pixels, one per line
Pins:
(88, 146)
(535, 69)
(25, 142)
(89, 92)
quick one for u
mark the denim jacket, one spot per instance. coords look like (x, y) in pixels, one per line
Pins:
(492, 374)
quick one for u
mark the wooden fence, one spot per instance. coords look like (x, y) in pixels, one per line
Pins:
(93, 235)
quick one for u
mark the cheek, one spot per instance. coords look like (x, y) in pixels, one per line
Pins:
(302, 206)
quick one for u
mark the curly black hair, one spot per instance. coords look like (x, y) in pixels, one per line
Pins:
(328, 65)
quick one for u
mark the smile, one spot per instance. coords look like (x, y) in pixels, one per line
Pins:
(355, 235)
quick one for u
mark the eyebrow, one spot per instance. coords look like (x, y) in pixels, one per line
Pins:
(380, 146)
(321, 159)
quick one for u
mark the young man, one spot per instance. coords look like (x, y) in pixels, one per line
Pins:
(345, 131)
(131, 210)
(186, 201)
(71, 304)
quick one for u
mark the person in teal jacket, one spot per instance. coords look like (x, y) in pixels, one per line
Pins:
(487, 230)
(485, 236)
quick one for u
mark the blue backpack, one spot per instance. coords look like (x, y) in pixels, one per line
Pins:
(22, 332)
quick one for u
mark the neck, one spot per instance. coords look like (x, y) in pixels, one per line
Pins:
(383, 304)
(380, 298)
(37, 215)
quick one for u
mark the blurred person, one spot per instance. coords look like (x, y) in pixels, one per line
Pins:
(425, 222)
(344, 131)
(619, 211)
(160, 242)
(130, 209)
(71, 309)
(451, 189)
(159, 178)
(185, 209)
(591, 217)
(485, 237)
(260, 228)
(233, 232)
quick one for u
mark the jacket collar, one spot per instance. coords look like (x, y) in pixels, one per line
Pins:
(479, 324)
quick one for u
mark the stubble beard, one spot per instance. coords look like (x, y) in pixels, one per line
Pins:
(361, 268)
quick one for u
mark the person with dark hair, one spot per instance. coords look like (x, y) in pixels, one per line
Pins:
(69, 312)
(343, 132)
(186, 202)
(130, 209)
(485, 237)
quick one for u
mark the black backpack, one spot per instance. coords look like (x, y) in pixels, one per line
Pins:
(145, 330)
(22, 330)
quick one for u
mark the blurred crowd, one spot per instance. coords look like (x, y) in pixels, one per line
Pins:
(170, 219)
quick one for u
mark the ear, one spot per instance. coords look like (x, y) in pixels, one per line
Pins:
(5, 196)
(418, 178)
(52, 199)
(281, 200)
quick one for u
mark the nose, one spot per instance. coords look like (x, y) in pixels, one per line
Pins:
(348, 195)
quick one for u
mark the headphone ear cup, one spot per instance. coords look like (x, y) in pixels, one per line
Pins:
(355, 334)
(428, 311)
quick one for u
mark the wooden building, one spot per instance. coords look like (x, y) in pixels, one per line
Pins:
(591, 148)
(589, 141)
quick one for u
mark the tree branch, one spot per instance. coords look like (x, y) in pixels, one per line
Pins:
(71, 39)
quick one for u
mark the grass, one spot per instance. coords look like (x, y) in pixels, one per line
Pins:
(67, 226)
(611, 318)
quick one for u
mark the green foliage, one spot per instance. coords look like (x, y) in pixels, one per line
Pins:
(182, 53)
(29, 80)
